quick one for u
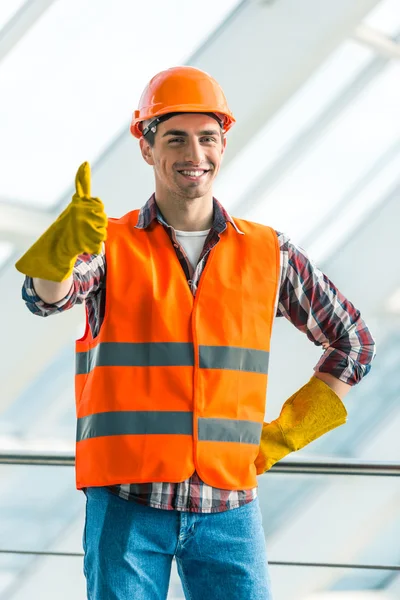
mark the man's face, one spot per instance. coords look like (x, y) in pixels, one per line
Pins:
(186, 155)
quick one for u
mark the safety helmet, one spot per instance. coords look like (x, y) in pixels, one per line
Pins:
(181, 90)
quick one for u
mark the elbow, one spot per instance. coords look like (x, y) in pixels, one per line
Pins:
(35, 310)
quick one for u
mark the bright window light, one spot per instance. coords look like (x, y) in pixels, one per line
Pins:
(8, 8)
(347, 220)
(273, 140)
(74, 80)
(342, 157)
(6, 250)
(27, 444)
(385, 17)
(7, 576)
(393, 303)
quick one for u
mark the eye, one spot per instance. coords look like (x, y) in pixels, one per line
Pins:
(208, 140)
(176, 140)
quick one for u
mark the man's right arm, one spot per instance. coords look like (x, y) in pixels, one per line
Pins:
(45, 298)
(67, 262)
(52, 291)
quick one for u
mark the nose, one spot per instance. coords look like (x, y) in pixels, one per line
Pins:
(194, 152)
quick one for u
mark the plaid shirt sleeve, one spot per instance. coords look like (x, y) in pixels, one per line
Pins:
(88, 278)
(312, 303)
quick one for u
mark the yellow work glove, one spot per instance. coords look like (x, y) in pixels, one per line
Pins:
(81, 228)
(312, 411)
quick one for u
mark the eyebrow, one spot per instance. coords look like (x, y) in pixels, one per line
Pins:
(178, 132)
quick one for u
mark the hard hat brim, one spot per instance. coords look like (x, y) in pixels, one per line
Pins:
(143, 115)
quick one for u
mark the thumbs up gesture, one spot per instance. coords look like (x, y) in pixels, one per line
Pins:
(81, 228)
(87, 216)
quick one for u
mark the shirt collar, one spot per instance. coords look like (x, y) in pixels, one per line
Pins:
(150, 212)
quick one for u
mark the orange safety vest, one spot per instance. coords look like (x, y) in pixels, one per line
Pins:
(175, 383)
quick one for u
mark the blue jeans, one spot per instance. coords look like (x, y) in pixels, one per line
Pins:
(129, 549)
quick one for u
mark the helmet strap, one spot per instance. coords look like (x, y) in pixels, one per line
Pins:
(152, 126)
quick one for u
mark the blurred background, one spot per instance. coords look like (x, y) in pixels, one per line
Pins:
(315, 153)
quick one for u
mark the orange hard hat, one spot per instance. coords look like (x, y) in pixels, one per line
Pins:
(181, 90)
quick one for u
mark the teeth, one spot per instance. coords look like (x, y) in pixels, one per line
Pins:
(193, 173)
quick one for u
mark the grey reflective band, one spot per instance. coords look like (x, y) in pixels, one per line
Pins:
(234, 359)
(229, 430)
(134, 423)
(167, 422)
(171, 354)
(124, 354)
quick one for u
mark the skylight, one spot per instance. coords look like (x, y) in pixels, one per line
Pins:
(74, 80)
(341, 157)
(385, 17)
(6, 250)
(8, 8)
(274, 139)
(346, 220)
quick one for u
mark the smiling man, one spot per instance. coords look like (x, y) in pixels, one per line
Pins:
(186, 160)
(171, 373)
(181, 182)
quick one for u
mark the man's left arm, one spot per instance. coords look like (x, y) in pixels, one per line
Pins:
(339, 387)
(313, 304)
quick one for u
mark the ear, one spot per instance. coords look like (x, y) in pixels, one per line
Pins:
(146, 151)
(223, 145)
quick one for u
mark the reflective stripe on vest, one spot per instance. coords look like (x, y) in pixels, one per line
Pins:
(167, 422)
(165, 354)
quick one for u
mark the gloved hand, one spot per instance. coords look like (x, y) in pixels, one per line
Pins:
(312, 411)
(81, 228)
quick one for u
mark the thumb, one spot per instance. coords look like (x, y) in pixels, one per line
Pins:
(82, 181)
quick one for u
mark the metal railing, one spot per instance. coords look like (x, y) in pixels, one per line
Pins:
(300, 467)
(327, 466)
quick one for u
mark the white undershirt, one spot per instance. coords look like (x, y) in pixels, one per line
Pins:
(192, 242)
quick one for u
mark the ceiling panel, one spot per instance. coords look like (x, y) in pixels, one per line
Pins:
(357, 205)
(276, 136)
(385, 17)
(6, 251)
(75, 78)
(342, 156)
(8, 8)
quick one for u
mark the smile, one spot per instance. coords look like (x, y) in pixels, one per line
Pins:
(193, 175)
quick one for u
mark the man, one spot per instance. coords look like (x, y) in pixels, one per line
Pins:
(171, 372)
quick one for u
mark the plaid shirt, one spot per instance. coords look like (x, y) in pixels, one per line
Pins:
(306, 297)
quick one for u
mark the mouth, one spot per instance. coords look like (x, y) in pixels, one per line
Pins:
(194, 174)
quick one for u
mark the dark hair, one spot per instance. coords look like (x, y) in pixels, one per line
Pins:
(150, 138)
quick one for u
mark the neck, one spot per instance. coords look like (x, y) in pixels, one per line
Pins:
(187, 214)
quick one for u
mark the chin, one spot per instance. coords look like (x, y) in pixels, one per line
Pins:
(197, 191)
(193, 194)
